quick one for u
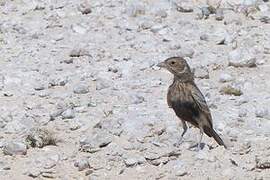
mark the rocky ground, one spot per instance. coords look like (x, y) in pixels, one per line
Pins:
(82, 98)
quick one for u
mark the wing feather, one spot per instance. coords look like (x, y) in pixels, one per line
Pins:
(201, 103)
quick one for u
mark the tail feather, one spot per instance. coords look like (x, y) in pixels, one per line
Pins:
(212, 133)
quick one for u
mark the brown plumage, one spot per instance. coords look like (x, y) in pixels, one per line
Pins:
(187, 100)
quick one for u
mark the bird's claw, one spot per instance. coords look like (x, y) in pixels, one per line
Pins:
(179, 142)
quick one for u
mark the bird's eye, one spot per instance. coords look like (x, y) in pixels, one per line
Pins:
(172, 62)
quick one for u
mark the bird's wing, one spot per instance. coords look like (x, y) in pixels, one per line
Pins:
(200, 102)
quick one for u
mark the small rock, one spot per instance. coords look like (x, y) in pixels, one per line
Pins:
(265, 19)
(62, 81)
(39, 87)
(225, 78)
(204, 154)
(74, 126)
(241, 58)
(242, 100)
(233, 18)
(228, 173)
(102, 84)
(33, 172)
(96, 141)
(184, 7)
(68, 114)
(181, 172)
(262, 113)
(39, 6)
(77, 52)
(82, 164)
(130, 162)
(161, 13)
(81, 88)
(78, 29)
(230, 90)
(198, 13)
(137, 99)
(263, 162)
(242, 113)
(135, 8)
(219, 15)
(157, 28)
(147, 24)
(84, 8)
(263, 7)
(202, 72)
(15, 148)
(205, 12)
(186, 52)
(69, 61)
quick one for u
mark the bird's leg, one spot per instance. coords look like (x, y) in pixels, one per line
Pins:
(184, 125)
(200, 139)
(184, 129)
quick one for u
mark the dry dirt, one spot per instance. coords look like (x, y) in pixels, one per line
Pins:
(82, 75)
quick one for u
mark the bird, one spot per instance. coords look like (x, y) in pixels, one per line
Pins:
(187, 101)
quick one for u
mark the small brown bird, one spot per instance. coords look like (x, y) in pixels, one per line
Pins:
(187, 100)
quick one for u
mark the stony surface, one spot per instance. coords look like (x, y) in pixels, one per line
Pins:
(82, 98)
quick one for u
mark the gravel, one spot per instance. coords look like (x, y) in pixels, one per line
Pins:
(81, 95)
(15, 148)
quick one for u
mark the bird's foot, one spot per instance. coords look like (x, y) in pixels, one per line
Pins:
(197, 147)
(179, 142)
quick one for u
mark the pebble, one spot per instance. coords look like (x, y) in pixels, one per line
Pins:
(33, 172)
(15, 148)
(135, 9)
(219, 15)
(263, 7)
(96, 141)
(146, 24)
(130, 162)
(242, 113)
(263, 162)
(205, 12)
(61, 81)
(186, 52)
(69, 61)
(78, 52)
(68, 114)
(181, 172)
(39, 87)
(202, 72)
(74, 126)
(225, 78)
(161, 13)
(262, 113)
(157, 28)
(82, 164)
(78, 29)
(137, 99)
(241, 58)
(184, 7)
(85, 8)
(81, 88)
(102, 84)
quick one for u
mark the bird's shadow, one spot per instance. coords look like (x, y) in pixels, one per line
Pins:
(196, 146)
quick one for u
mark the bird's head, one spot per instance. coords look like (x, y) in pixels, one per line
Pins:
(178, 67)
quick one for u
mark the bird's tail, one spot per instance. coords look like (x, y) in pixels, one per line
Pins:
(212, 133)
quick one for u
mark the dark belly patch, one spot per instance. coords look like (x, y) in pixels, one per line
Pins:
(185, 110)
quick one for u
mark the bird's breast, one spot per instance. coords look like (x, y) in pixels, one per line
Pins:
(180, 99)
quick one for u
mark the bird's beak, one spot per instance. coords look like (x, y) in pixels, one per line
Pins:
(161, 65)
